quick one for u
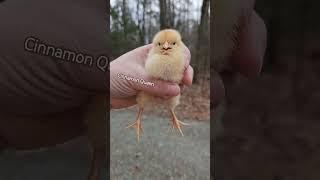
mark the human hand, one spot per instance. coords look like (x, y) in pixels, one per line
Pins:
(123, 92)
(43, 98)
(248, 56)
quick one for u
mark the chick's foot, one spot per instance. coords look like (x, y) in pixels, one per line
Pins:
(176, 124)
(137, 124)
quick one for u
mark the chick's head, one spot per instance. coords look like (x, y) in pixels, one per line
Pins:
(167, 42)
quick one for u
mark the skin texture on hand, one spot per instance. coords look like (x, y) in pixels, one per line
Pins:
(247, 58)
(42, 98)
(123, 92)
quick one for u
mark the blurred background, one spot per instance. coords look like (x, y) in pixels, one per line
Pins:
(161, 154)
(270, 129)
(135, 22)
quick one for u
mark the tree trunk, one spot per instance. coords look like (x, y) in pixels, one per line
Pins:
(172, 10)
(124, 18)
(200, 56)
(163, 14)
(141, 21)
(108, 18)
(204, 15)
(143, 28)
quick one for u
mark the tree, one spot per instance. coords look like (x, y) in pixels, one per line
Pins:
(202, 42)
(124, 18)
(124, 31)
(163, 12)
(134, 25)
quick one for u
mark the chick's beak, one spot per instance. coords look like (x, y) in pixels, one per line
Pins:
(166, 45)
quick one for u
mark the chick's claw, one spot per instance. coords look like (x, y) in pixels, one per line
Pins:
(176, 124)
(137, 124)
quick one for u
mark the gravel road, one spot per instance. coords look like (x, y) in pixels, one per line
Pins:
(160, 154)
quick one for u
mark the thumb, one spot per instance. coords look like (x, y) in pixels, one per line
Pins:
(248, 58)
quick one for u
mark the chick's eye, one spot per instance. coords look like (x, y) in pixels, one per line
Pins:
(174, 43)
(159, 44)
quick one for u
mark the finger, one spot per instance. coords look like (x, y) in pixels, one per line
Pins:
(164, 97)
(142, 52)
(248, 58)
(117, 103)
(187, 56)
(188, 76)
(159, 88)
(145, 48)
(246, 10)
(168, 97)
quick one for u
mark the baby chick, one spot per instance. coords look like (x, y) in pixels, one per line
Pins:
(165, 61)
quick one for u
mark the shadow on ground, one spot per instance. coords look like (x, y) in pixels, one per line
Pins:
(64, 162)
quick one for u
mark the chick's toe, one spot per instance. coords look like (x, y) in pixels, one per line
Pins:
(137, 124)
(176, 123)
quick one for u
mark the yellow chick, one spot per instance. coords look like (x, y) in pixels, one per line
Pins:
(165, 61)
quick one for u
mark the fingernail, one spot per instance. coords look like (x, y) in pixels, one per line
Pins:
(190, 69)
